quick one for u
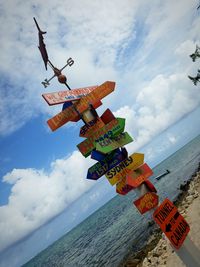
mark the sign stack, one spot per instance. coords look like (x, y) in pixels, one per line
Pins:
(104, 140)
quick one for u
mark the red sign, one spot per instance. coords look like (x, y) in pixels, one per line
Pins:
(146, 202)
(122, 188)
(69, 95)
(70, 113)
(107, 116)
(171, 223)
(138, 176)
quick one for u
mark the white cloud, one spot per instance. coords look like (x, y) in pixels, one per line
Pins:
(37, 196)
(160, 104)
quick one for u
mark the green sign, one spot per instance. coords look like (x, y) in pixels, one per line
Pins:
(109, 144)
(114, 127)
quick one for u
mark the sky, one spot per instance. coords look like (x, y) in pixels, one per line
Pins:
(143, 46)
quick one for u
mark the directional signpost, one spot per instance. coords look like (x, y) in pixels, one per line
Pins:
(105, 138)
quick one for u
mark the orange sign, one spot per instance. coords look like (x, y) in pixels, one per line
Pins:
(70, 113)
(91, 127)
(146, 202)
(139, 175)
(171, 223)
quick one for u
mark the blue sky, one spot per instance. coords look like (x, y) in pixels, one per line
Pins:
(143, 46)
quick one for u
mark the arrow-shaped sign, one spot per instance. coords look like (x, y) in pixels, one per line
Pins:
(101, 167)
(80, 106)
(107, 144)
(115, 127)
(123, 168)
(138, 176)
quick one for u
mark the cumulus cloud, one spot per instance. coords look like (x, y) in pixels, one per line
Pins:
(38, 195)
(160, 104)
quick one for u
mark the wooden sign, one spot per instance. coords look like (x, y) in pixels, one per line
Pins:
(122, 187)
(107, 144)
(91, 127)
(171, 223)
(138, 176)
(123, 168)
(96, 124)
(69, 95)
(146, 202)
(97, 155)
(101, 167)
(107, 116)
(114, 127)
(70, 113)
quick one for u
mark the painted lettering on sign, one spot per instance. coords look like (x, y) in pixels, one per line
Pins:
(69, 95)
(138, 176)
(101, 167)
(92, 126)
(171, 223)
(122, 169)
(81, 105)
(116, 126)
(106, 144)
(146, 202)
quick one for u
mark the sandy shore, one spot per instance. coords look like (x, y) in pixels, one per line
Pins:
(158, 252)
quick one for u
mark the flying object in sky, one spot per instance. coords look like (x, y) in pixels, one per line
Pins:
(196, 54)
(196, 79)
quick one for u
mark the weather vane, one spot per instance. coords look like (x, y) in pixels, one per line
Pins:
(57, 72)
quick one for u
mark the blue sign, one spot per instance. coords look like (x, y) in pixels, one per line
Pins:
(110, 160)
(97, 155)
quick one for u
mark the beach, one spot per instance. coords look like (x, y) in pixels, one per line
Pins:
(158, 251)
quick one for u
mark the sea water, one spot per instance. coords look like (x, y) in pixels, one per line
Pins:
(104, 238)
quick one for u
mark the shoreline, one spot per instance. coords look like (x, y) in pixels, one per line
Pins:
(157, 251)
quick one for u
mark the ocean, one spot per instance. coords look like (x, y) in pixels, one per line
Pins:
(117, 228)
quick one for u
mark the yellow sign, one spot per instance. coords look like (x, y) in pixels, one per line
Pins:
(124, 167)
